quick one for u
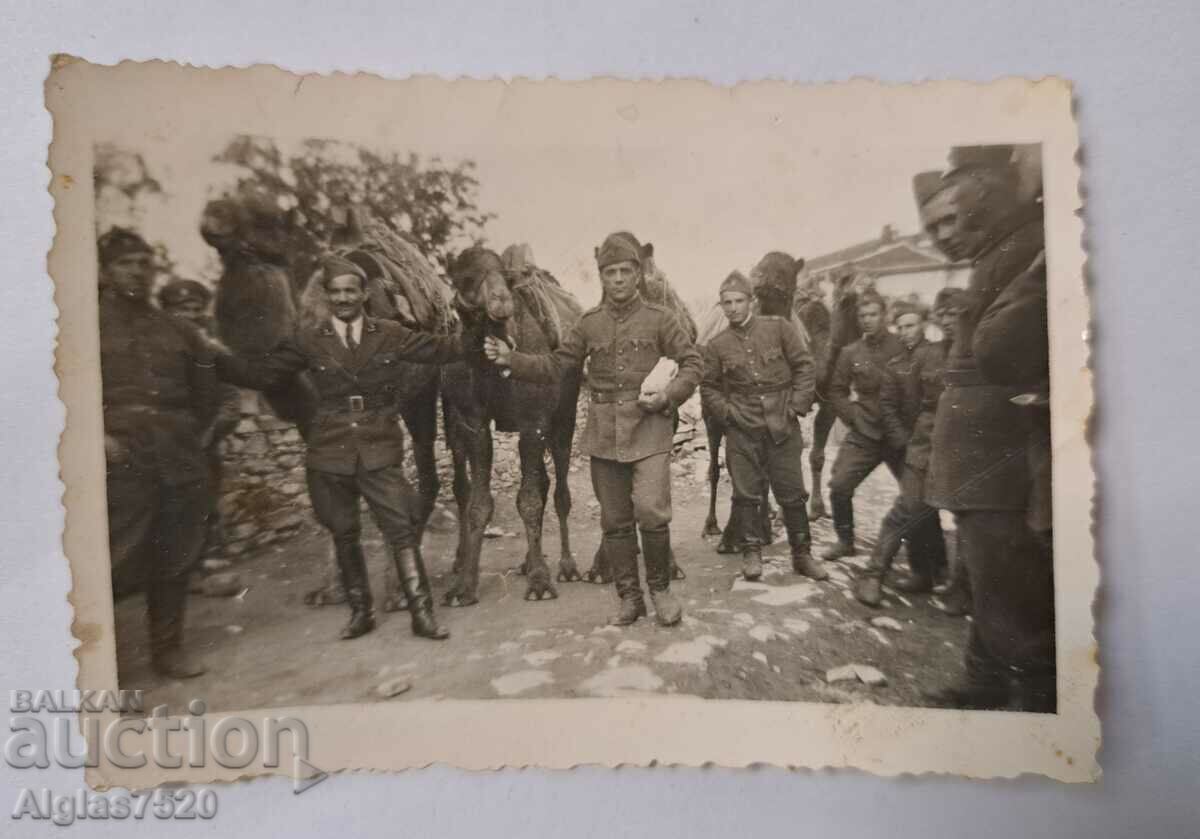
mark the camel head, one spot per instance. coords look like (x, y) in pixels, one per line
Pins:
(480, 285)
(774, 280)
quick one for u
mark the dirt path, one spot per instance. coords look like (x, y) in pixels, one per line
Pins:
(769, 640)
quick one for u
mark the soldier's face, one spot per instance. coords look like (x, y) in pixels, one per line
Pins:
(943, 221)
(735, 305)
(620, 280)
(192, 311)
(948, 320)
(346, 296)
(910, 328)
(131, 274)
(870, 318)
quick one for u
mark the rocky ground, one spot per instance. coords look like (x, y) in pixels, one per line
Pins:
(783, 638)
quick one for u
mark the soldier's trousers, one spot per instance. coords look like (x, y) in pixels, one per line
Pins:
(393, 504)
(757, 463)
(913, 521)
(155, 534)
(633, 494)
(857, 457)
(1011, 642)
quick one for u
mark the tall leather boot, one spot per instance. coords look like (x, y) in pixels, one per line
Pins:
(843, 523)
(958, 594)
(749, 523)
(622, 556)
(656, 547)
(415, 584)
(795, 521)
(353, 567)
(165, 602)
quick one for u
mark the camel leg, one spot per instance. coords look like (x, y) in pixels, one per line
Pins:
(560, 453)
(822, 425)
(464, 585)
(531, 506)
(715, 433)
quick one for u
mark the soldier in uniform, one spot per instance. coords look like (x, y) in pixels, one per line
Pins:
(189, 300)
(628, 435)
(160, 393)
(758, 378)
(355, 444)
(908, 401)
(861, 367)
(991, 459)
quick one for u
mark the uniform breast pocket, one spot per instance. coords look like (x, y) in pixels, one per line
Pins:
(773, 362)
(866, 377)
(642, 351)
(600, 358)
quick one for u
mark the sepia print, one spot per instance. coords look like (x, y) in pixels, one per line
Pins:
(543, 423)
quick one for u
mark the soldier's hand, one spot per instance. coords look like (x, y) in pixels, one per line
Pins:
(653, 404)
(497, 352)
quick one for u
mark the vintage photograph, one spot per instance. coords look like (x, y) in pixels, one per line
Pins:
(491, 397)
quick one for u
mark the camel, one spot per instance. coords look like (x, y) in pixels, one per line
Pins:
(826, 336)
(516, 306)
(269, 285)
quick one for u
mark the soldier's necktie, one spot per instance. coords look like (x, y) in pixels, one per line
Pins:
(351, 344)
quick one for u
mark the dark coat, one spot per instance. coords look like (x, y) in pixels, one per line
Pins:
(980, 435)
(358, 394)
(758, 376)
(862, 367)
(1012, 346)
(159, 390)
(621, 345)
(909, 400)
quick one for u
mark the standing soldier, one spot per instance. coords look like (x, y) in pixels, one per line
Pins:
(189, 300)
(758, 379)
(908, 401)
(628, 434)
(160, 393)
(861, 368)
(991, 459)
(355, 444)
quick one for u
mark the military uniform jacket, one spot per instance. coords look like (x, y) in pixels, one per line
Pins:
(980, 437)
(621, 345)
(358, 405)
(909, 400)
(159, 389)
(862, 367)
(758, 375)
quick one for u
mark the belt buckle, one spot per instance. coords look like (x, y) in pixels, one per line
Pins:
(356, 403)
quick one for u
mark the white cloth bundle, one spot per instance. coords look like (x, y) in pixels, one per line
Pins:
(656, 380)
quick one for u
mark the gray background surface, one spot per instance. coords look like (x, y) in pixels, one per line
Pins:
(1135, 66)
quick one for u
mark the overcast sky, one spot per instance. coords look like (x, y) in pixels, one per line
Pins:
(714, 178)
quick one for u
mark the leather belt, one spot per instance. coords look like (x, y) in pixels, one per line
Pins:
(604, 397)
(357, 403)
(759, 390)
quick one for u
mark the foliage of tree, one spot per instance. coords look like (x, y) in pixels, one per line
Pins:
(430, 203)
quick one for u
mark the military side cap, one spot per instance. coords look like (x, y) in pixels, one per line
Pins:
(518, 259)
(118, 242)
(736, 281)
(619, 247)
(777, 271)
(980, 157)
(178, 292)
(926, 185)
(333, 266)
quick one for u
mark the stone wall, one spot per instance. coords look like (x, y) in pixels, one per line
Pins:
(263, 498)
